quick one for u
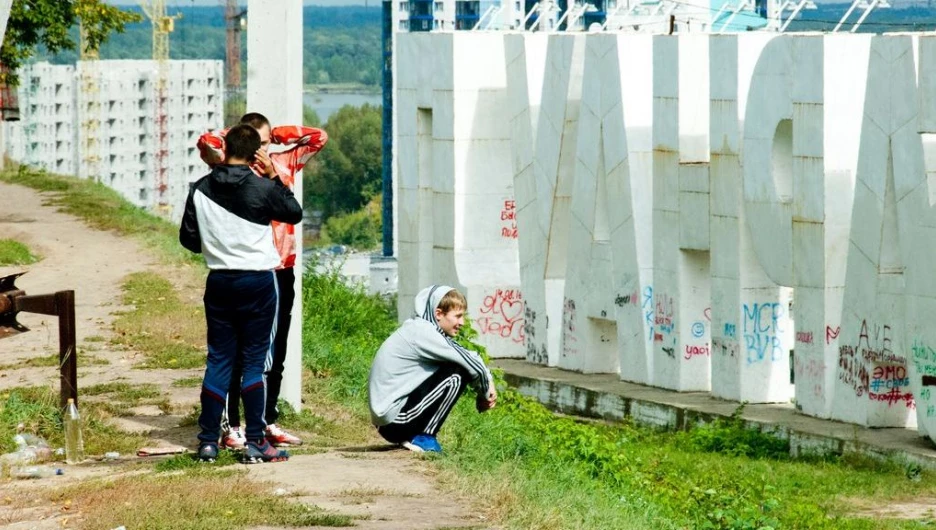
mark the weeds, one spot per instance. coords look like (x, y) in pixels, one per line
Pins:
(168, 331)
(35, 410)
(732, 436)
(15, 253)
(52, 359)
(188, 382)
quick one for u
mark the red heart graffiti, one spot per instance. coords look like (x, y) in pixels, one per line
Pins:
(512, 310)
(707, 314)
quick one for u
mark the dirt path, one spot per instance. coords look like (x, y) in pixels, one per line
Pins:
(91, 262)
(393, 489)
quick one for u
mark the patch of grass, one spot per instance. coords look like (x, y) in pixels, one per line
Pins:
(539, 470)
(188, 382)
(36, 409)
(95, 338)
(84, 359)
(170, 332)
(193, 501)
(13, 252)
(103, 208)
(124, 391)
(731, 436)
(190, 462)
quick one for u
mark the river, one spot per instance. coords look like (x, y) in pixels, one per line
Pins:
(327, 104)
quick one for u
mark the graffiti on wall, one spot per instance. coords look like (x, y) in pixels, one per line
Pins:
(508, 217)
(870, 366)
(761, 329)
(569, 340)
(502, 315)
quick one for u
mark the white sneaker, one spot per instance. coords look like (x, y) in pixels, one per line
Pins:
(278, 437)
(234, 439)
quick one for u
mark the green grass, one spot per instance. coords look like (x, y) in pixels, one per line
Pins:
(539, 470)
(15, 253)
(190, 462)
(187, 382)
(123, 391)
(170, 332)
(36, 410)
(103, 208)
(52, 359)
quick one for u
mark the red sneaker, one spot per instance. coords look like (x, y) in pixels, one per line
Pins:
(279, 437)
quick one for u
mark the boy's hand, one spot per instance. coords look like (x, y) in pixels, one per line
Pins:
(264, 163)
(487, 402)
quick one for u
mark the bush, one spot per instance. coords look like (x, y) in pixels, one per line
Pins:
(360, 229)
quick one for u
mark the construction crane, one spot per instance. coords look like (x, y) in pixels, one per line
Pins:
(163, 25)
(232, 64)
(91, 124)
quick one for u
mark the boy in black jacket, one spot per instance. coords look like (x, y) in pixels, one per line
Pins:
(227, 218)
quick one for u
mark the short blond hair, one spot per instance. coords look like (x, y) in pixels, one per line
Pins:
(452, 300)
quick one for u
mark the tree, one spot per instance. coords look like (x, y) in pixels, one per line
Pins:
(348, 173)
(360, 229)
(47, 23)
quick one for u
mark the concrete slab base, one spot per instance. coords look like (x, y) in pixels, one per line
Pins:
(606, 397)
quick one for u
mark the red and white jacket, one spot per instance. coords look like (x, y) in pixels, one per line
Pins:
(305, 142)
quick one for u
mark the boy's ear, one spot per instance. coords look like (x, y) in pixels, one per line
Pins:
(438, 313)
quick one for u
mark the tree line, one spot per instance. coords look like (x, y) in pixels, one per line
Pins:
(340, 44)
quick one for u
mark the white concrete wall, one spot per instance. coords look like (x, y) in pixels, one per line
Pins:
(454, 181)
(53, 108)
(692, 210)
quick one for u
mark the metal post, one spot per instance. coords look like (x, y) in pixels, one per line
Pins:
(387, 130)
(68, 358)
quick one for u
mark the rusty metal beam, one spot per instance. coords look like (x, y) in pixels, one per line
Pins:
(60, 304)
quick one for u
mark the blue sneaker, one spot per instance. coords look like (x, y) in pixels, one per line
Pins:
(423, 443)
(207, 452)
(263, 452)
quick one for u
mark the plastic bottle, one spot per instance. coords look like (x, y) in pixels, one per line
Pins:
(74, 446)
(35, 472)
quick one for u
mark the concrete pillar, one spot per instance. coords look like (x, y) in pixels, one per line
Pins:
(873, 383)
(629, 100)
(485, 227)
(589, 327)
(525, 59)
(274, 89)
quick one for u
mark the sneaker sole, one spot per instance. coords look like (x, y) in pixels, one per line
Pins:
(264, 460)
(413, 447)
(277, 444)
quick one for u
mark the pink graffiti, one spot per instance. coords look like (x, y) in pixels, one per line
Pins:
(508, 216)
(501, 314)
(692, 351)
(805, 337)
(832, 334)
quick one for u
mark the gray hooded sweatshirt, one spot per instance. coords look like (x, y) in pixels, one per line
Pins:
(412, 354)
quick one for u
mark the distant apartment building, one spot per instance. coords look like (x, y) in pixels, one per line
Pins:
(108, 129)
(652, 16)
